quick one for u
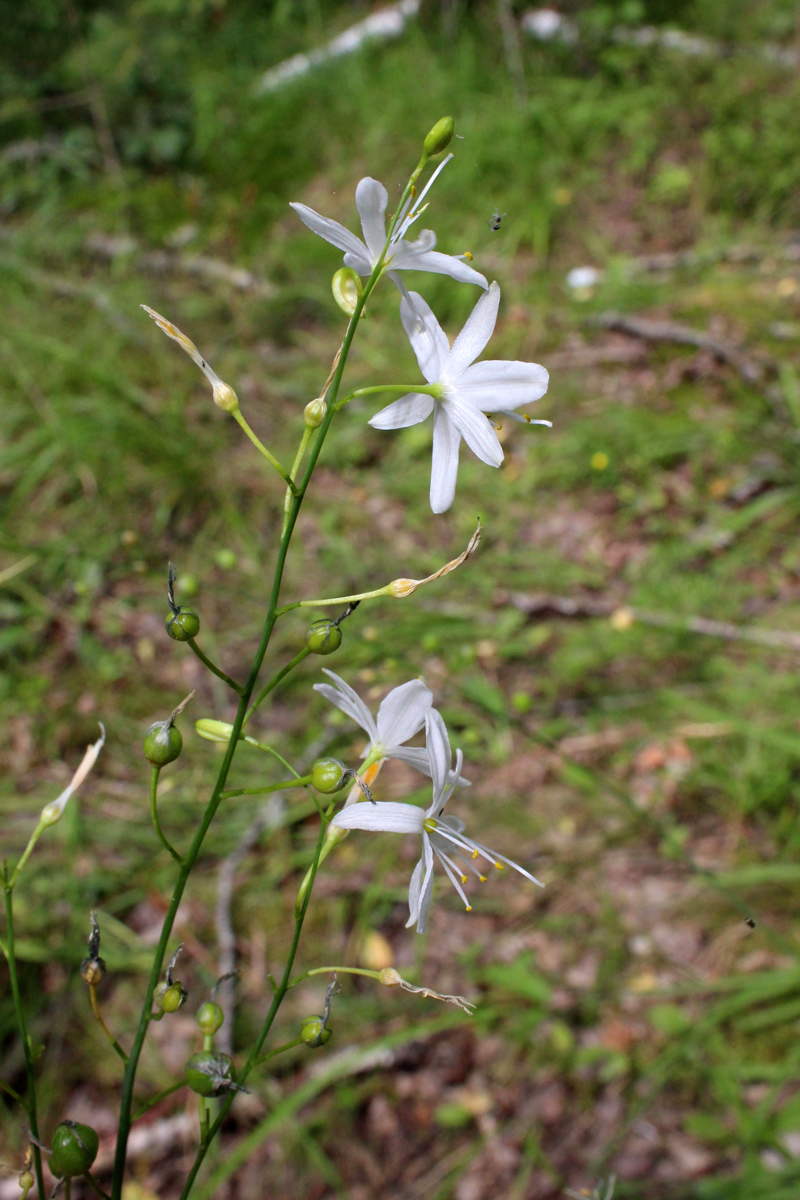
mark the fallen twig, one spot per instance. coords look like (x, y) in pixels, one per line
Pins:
(168, 261)
(543, 605)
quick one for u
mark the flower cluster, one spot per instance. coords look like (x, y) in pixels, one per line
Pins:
(460, 393)
(402, 714)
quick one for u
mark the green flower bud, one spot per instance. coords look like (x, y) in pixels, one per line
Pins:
(162, 744)
(327, 774)
(183, 624)
(439, 137)
(93, 970)
(213, 731)
(210, 1018)
(73, 1149)
(314, 413)
(26, 1181)
(324, 637)
(169, 997)
(315, 1033)
(210, 1074)
(346, 287)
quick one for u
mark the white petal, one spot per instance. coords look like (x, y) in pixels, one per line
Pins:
(414, 889)
(408, 410)
(475, 335)
(409, 259)
(437, 744)
(358, 262)
(417, 757)
(428, 339)
(502, 385)
(349, 702)
(371, 201)
(476, 430)
(402, 712)
(387, 816)
(444, 464)
(424, 890)
(330, 230)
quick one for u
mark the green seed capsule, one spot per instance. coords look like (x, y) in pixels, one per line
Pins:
(315, 1033)
(169, 997)
(210, 1017)
(93, 970)
(74, 1149)
(209, 1073)
(327, 774)
(323, 637)
(183, 624)
(162, 743)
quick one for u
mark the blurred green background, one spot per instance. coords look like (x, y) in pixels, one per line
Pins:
(629, 1020)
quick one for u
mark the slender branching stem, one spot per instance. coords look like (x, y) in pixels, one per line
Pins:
(26, 853)
(102, 1024)
(268, 455)
(95, 1186)
(174, 1087)
(278, 1050)
(275, 680)
(215, 670)
(337, 970)
(301, 781)
(6, 1087)
(30, 1102)
(298, 458)
(154, 815)
(431, 389)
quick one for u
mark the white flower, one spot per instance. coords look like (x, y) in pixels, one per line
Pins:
(402, 714)
(468, 390)
(401, 255)
(442, 836)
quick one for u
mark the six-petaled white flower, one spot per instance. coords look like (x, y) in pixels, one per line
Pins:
(466, 390)
(401, 255)
(401, 715)
(442, 836)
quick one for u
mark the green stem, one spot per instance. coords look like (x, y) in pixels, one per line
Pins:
(154, 814)
(6, 1087)
(273, 683)
(339, 970)
(26, 853)
(268, 455)
(95, 1186)
(23, 1033)
(430, 389)
(174, 1087)
(298, 458)
(278, 1050)
(102, 1024)
(301, 781)
(255, 1054)
(215, 800)
(237, 687)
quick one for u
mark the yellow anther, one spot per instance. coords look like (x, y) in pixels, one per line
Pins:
(429, 824)
(413, 190)
(474, 853)
(482, 878)
(500, 866)
(463, 879)
(496, 424)
(467, 256)
(469, 908)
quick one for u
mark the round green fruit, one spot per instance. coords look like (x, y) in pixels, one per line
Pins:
(314, 1032)
(183, 625)
(323, 637)
(209, 1073)
(327, 774)
(162, 743)
(73, 1149)
(210, 1017)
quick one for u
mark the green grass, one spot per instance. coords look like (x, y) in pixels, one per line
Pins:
(630, 991)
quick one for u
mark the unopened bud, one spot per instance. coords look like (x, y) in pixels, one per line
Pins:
(389, 977)
(402, 587)
(51, 813)
(162, 743)
(210, 1018)
(25, 1180)
(324, 637)
(314, 413)
(438, 139)
(169, 997)
(73, 1149)
(346, 287)
(225, 397)
(213, 731)
(327, 775)
(183, 624)
(314, 1032)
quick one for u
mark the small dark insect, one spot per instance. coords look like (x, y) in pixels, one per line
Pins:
(495, 220)
(749, 921)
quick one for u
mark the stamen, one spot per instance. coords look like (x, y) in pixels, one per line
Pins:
(413, 191)
(500, 866)
(463, 879)
(467, 256)
(474, 853)
(497, 425)
(469, 908)
(482, 878)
